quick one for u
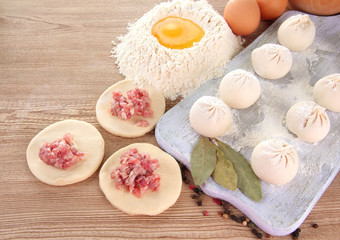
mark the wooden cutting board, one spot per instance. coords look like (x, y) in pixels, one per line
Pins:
(283, 208)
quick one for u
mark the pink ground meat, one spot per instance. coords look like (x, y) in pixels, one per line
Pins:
(137, 103)
(61, 153)
(136, 172)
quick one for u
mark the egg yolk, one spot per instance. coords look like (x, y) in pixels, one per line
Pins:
(177, 33)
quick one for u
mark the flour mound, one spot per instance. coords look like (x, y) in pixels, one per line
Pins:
(140, 57)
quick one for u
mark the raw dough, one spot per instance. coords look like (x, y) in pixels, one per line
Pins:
(274, 161)
(308, 121)
(127, 128)
(297, 32)
(150, 203)
(210, 116)
(239, 89)
(326, 92)
(88, 140)
(271, 61)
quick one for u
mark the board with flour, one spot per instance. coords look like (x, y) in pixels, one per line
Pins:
(283, 208)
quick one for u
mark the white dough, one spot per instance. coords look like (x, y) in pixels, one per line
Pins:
(88, 140)
(308, 121)
(210, 117)
(326, 92)
(239, 89)
(297, 32)
(271, 61)
(274, 161)
(127, 128)
(151, 202)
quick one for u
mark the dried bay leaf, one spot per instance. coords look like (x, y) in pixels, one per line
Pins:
(203, 160)
(248, 182)
(224, 173)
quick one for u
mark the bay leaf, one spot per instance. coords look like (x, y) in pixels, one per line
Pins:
(203, 160)
(248, 182)
(224, 173)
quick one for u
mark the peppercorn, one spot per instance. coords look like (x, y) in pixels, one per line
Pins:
(233, 217)
(191, 187)
(194, 196)
(199, 203)
(259, 235)
(205, 213)
(226, 212)
(244, 223)
(251, 224)
(268, 235)
(225, 205)
(254, 231)
(225, 215)
(315, 225)
(239, 220)
(220, 214)
(243, 218)
(296, 233)
(196, 189)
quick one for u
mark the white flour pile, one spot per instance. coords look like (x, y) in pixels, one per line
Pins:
(141, 58)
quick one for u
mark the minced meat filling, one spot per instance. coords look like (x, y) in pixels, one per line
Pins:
(136, 172)
(137, 103)
(61, 153)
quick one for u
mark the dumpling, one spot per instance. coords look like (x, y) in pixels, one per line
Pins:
(239, 89)
(308, 120)
(297, 32)
(274, 161)
(210, 117)
(326, 92)
(271, 61)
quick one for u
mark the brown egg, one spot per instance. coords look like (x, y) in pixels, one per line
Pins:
(242, 16)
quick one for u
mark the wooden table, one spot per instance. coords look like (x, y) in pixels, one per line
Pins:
(55, 63)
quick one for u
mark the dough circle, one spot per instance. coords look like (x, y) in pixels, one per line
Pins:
(151, 202)
(297, 32)
(239, 89)
(127, 128)
(271, 61)
(88, 140)
(308, 121)
(210, 117)
(275, 161)
(326, 92)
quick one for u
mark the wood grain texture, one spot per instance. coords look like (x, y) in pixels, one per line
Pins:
(54, 64)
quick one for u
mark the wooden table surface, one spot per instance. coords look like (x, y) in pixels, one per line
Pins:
(54, 64)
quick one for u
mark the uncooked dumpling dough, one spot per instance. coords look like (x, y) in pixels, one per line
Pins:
(210, 116)
(327, 92)
(271, 61)
(151, 202)
(308, 121)
(88, 140)
(239, 89)
(297, 32)
(274, 161)
(128, 128)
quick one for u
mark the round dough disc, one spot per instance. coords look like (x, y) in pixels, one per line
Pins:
(127, 128)
(88, 140)
(151, 202)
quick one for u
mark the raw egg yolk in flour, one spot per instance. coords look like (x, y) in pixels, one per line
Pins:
(177, 33)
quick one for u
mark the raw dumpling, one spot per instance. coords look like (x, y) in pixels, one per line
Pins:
(129, 127)
(87, 140)
(151, 202)
(327, 92)
(239, 89)
(274, 161)
(308, 121)
(210, 116)
(271, 61)
(297, 32)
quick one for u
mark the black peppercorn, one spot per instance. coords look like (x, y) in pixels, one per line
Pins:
(259, 235)
(199, 203)
(315, 225)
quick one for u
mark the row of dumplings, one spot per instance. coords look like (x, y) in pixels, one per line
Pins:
(239, 89)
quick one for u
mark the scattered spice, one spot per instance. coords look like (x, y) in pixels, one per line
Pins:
(205, 213)
(296, 233)
(268, 235)
(191, 187)
(220, 214)
(244, 223)
(199, 203)
(315, 225)
(194, 196)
